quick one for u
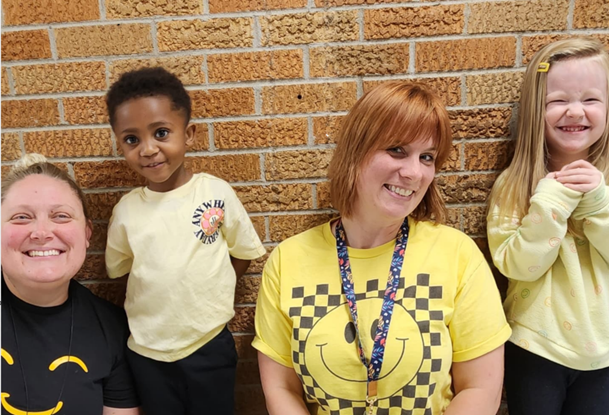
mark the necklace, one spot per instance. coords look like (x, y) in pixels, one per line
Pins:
(59, 404)
(373, 367)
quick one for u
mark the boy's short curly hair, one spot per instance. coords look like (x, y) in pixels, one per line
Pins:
(148, 82)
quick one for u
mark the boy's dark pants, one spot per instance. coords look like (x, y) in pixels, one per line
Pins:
(537, 386)
(200, 384)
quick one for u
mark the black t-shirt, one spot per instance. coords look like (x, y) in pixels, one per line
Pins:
(96, 374)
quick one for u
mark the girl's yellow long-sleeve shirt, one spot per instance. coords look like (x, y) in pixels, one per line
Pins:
(558, 296)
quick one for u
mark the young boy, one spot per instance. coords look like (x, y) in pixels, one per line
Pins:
(183, 239)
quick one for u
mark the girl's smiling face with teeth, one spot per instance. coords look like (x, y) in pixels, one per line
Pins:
(576, 109)
(44, 233)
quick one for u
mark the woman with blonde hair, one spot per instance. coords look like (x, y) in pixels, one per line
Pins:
(63, 349)
(548, 226)
(383, 310)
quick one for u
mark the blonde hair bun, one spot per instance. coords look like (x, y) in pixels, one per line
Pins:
(28, 160)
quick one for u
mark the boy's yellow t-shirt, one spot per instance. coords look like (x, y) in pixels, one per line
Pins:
(176, 248)
(447, 310)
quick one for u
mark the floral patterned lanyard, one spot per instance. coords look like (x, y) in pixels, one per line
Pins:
(378, 350)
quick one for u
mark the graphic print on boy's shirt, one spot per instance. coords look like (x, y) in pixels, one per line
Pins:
(207, 219)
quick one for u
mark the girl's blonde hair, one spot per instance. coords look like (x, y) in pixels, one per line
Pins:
(393, 114)
(514, 188)
(33, 163)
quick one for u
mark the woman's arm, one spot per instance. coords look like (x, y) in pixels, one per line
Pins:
(121, 411)
(282, 388)
(477, 385)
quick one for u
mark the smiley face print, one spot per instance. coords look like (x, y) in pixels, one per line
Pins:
(55, 407)
(334, 359)
(325, 347)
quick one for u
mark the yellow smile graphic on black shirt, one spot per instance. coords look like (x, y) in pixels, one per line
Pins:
(54, 365)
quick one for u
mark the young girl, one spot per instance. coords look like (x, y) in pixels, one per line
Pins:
(548, 230)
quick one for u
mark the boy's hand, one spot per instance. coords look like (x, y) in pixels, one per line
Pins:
(579, 175)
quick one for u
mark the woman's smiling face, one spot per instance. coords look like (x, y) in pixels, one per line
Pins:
(393, 182)
(45, 234)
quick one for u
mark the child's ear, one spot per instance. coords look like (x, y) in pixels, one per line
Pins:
(191, 129)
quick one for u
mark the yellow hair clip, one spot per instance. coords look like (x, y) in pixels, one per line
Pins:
(543, 67)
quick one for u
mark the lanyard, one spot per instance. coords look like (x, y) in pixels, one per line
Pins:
(378, 349)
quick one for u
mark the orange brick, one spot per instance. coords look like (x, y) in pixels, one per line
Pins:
(243, 344)
(496, 88)
(101, 174)
(59, 77)
(26, 44)
(324, 201)
(591, 14)
(116, 9)
(251, 66)
(454, 55)
(304, 28)
(495, 155)
(359, 60)
(99, 236)
(276, 197)
(413, 21)
(481, 123)
(5, 86)
(85, 110)
(198, 34)
(531, 44)
(258, 222)
(243, 322)
(334, 3)
(11, 149)
(261, 133)
(230, 6)
(100, 205)
(246, 290)
(94, 268)
(453, 163)
(325, 129)
(474, 220)
(109, 39)
(297, 164)
(257, 265)
(222, 102)
(21, 12)
(308, 98)
(201, 142)
(69, 143)
(448, 88)
(29, 113)
(232, 167)
(467, 188)
(282, 227)
(518, 16)
(4, 170)
(187, 68)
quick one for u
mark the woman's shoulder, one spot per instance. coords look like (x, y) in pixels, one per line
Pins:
(104, 310)
(440, 236)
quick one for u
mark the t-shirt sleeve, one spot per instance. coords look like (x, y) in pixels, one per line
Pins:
(273, 326)
(119, 387)
(119, 256)
(478, 324)
(241, 237)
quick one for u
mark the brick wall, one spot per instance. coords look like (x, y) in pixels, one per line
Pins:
(270, 81)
